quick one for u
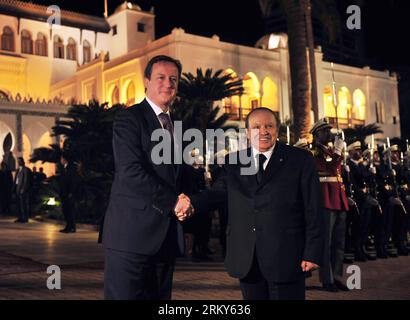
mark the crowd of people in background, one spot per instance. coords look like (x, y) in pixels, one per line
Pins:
(19, 191)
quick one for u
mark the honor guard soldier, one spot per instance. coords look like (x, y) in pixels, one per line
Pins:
(390, 199)
(399, 226)
(361, 210)
(371, 161)
(328, 162)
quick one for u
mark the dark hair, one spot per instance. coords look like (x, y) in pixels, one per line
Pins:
(161, 58)
(20, 160)
(262, 109)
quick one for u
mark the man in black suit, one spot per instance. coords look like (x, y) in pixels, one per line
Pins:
(274, 232)
(23, 184)
(142, 235)
(68, 189)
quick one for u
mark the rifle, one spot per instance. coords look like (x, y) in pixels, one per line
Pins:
(349, 185)
(393, 177)
(334, 98)
(373, 185)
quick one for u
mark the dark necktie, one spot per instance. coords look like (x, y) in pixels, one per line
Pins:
(261, 160)
(166, 123)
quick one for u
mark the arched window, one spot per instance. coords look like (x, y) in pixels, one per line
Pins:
(86, 52)
(231, 104)
(344, 104)
(3, 95)
(58, 47)
(359, 105)
(328, 102)
(115, 96)
(71, 49)
(270, 97)
(130, 94)
(26, 42)
(251, 97)
(40, 45)
(7, 39)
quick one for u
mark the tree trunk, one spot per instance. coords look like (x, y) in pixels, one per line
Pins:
(312, 62)
(295, 16)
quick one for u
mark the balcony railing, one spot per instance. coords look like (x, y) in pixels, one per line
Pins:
(346, 123)
(234, 112)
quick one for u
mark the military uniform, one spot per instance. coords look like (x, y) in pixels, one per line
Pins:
(394, 211)
(328, 165)
(361, 179)
(400, 218)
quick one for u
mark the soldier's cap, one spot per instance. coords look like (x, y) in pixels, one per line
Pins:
(354, 146)
(301, 143)
(392, 148)
(320, 125)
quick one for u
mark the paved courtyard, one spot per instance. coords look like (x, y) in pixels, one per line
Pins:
(26, 250)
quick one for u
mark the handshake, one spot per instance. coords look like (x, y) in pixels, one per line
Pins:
(183, 208)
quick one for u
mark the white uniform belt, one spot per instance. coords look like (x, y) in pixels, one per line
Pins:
(330, 179)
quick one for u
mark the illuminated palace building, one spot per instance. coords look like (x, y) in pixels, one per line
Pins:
(46, 67)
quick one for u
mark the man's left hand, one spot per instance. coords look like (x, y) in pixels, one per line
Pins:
(308, 266)
(183, 209)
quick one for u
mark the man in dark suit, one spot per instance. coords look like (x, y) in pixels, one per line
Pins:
(23, 184)
(274, 232)
(68, 188)
(142, 235)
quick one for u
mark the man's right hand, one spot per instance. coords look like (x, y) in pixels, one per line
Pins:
(183, 208)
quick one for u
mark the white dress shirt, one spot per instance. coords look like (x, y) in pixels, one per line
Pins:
(157, 109)
(267, 154)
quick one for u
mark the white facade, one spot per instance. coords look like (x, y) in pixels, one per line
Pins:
(121, 45)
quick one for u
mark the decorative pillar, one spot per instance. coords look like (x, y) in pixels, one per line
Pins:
(19, 133)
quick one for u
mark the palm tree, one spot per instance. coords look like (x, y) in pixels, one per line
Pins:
(361, 133)
(209, 87)
(301, 104)
(88, 142)
(51, 154)
(197, 95)
(302, 63)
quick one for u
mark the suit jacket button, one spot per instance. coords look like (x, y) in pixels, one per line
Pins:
(253, 229)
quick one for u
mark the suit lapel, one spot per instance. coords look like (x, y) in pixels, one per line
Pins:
(276, 161)
(150, 116)
(249, 181)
